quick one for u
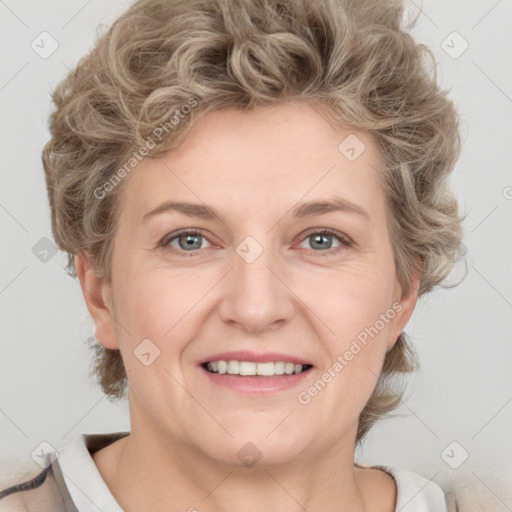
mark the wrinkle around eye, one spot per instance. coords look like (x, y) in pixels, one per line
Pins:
(165, 242)
(344, 243)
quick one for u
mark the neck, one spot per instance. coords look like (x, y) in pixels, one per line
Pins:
(148, 472)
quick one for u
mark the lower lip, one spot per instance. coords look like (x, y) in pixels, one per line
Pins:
(256, 384)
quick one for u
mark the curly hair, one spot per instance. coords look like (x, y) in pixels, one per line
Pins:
(353, 57)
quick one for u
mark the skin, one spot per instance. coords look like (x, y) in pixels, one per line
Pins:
(252, 169)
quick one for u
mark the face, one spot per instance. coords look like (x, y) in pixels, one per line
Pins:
(276, 250)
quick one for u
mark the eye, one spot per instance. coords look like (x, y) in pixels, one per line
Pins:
(322, 241)
(188, 241)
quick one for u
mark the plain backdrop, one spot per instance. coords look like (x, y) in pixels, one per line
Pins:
(460, 402)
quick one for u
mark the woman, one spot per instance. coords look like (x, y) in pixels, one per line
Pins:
(253, 196)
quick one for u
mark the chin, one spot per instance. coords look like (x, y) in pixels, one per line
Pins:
(260, 443)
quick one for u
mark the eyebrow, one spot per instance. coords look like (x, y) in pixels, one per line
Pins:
(308, 209)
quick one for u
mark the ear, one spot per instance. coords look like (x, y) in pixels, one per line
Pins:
(98, 299)
(404, 306)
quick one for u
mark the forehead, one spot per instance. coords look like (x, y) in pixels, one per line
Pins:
(262, 160)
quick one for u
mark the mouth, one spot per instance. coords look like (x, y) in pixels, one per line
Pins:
(255, 373)
(253, 369)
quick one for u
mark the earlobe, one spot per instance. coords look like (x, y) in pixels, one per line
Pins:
(97, 297)
(407, 302)
(410, 296)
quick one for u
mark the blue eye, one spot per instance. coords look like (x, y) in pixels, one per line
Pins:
(188, 241)
(321, 242)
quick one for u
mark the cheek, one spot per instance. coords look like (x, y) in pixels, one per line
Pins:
(161, 306)
(356, 353)
(349, 300)
(156, 310)
(356, 311)
(154, 301)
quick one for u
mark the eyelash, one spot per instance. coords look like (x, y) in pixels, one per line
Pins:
(345, 241)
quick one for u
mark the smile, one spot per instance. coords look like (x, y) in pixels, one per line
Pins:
(250, 368)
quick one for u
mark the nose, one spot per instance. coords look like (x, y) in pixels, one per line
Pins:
(255, 295)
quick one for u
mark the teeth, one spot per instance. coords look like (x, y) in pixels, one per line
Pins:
(233, 367)
(289, 368)
(250, 368)
(247, 368)
(279, 368)
(222, 367)
(265, 369)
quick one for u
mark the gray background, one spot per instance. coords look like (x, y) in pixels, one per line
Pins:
(462, 393)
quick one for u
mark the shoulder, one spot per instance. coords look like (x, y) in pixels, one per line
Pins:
(26, 489)
(416, 493)
(15, 485)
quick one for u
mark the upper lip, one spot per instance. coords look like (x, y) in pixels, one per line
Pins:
(255, 357)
